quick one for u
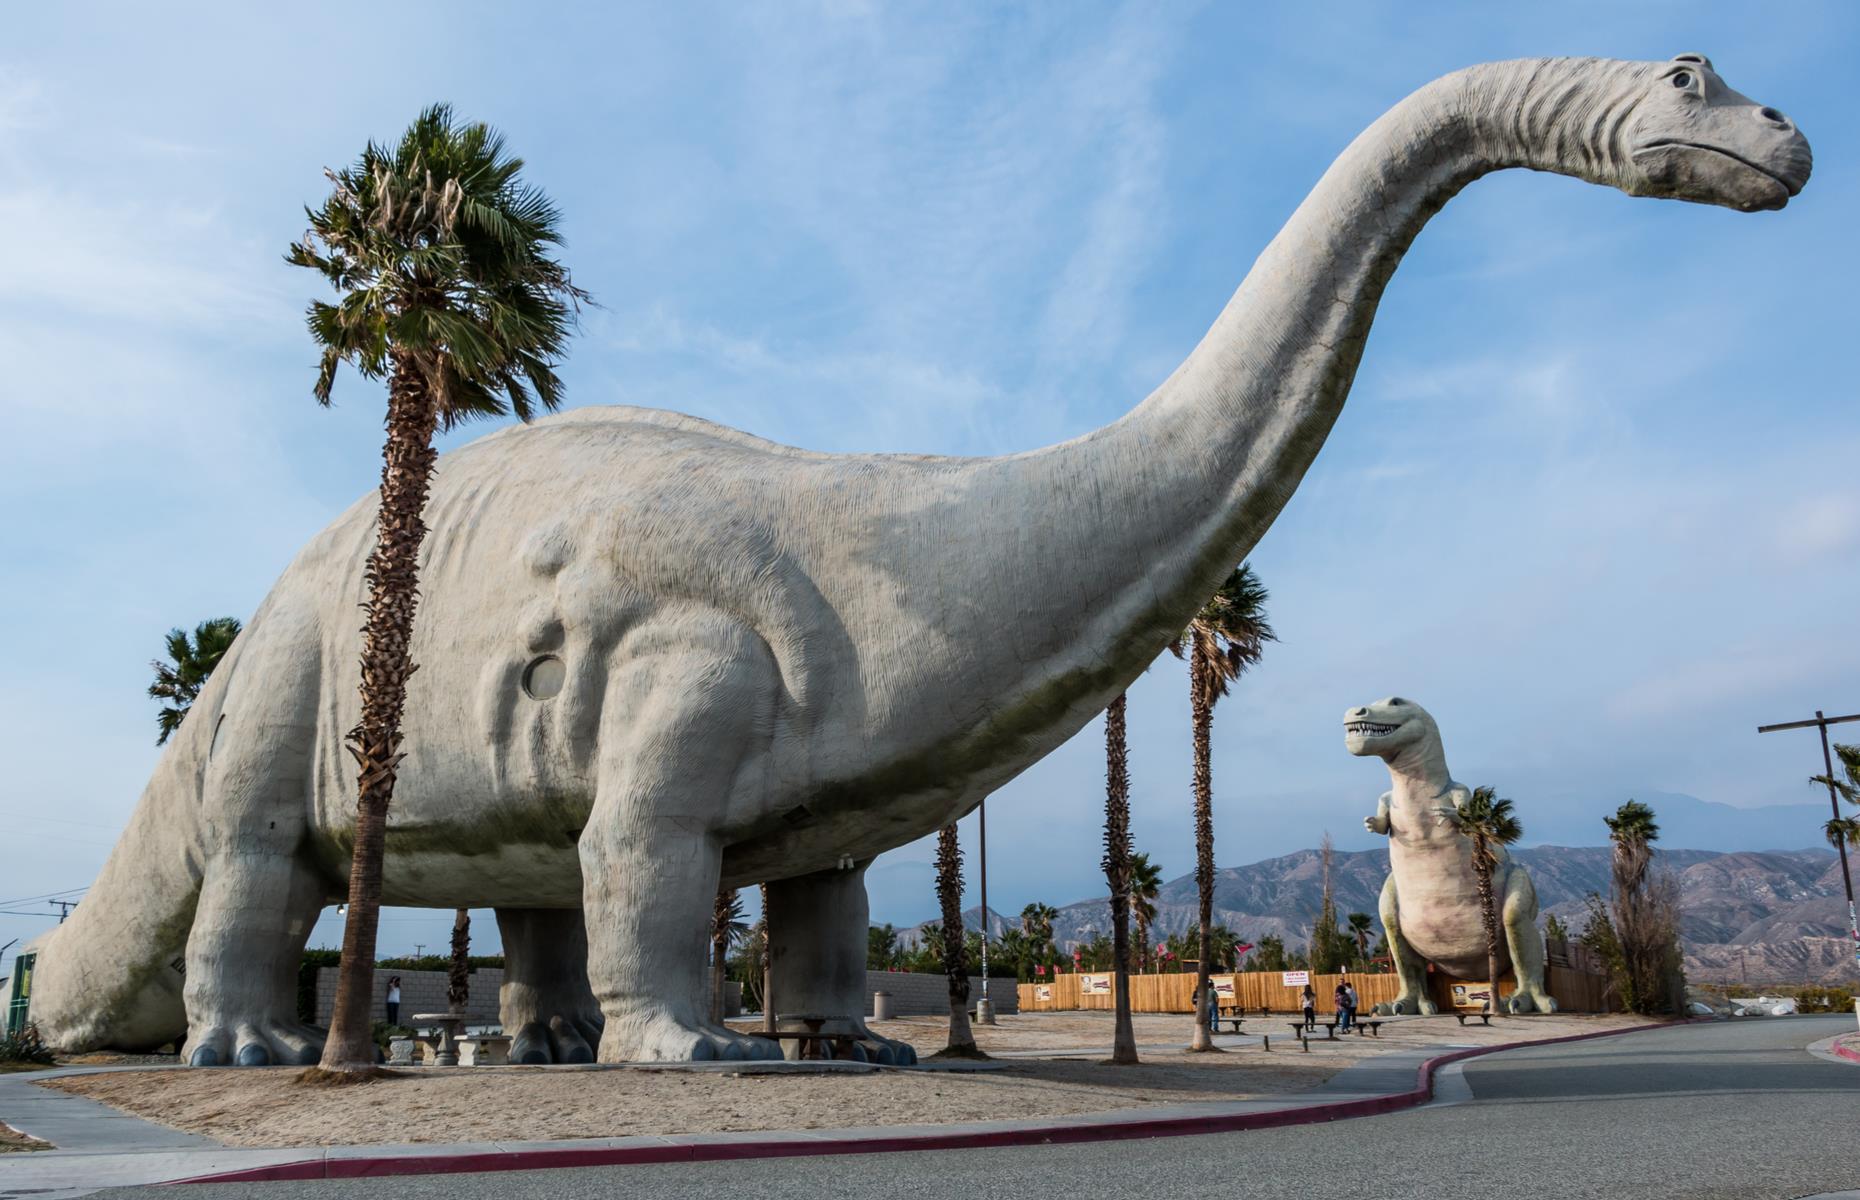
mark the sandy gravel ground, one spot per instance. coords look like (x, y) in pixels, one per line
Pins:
(266, 1107)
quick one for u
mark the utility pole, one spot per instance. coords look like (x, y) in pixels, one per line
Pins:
(417, 947)
(1827, 760)
(64, 908)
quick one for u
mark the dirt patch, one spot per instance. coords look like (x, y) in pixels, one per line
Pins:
(267, 1107)
(12, 1141)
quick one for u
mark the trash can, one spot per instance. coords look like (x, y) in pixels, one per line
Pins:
(881, 1006)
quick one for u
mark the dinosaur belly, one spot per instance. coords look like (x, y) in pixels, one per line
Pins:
(1440, 913)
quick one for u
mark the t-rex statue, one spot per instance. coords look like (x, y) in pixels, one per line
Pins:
(657, 654)
(1430, 901)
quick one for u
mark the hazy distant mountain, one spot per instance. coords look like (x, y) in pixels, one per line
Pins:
(1769, 916)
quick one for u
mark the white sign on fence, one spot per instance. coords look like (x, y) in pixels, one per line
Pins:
(1095, 984)
(1294, 978)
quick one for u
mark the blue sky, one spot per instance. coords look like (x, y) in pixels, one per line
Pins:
(1593, 500)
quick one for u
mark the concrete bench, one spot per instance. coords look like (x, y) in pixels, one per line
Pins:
(1485, 1018)
(483, 1050)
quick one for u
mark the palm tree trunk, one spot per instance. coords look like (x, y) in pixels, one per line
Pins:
(1117, 874)
(458, 972)
(719, 948)
(387, 661)
(955, 938)
(1201, 715)
(768, 974)
(1482, 867)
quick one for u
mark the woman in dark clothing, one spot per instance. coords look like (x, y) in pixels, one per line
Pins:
(1310, 999)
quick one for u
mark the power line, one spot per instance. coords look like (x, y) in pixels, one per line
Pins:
(45, 896)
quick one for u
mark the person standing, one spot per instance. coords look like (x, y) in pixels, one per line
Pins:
(1310, 1002)
(393, 1000)
(1346, 1006)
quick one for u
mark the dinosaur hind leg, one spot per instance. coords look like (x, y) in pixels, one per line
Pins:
(1410, 967)
(546, 1003)
(817, 948)
(1519, 917)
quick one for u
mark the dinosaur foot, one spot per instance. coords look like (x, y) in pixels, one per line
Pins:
(558, 1040)
(662, 1038)
(253, 1044)
(1531, 1000)
(1407, 1006)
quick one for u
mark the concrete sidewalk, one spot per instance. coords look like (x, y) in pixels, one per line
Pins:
(100, 1147)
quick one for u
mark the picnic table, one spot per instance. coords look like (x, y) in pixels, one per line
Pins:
(445, 1047)
(814, 1044)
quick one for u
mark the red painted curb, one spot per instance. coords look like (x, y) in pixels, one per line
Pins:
(1048, 1135)
(1846, 1052)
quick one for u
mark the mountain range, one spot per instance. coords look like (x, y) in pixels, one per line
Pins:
(1768, 916)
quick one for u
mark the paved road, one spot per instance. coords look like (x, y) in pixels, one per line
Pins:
(1733, 1110)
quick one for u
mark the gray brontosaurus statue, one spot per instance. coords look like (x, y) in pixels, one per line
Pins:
(1430, 902)
(657, 654)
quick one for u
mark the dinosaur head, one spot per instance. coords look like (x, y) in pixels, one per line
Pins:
(1691, 137)
(1387, 727)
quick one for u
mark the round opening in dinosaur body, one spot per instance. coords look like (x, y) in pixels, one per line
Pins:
(544, 677)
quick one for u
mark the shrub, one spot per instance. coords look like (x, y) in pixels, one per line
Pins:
(23, 1046)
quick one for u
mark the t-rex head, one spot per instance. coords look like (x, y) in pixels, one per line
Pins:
(1387, 727)
(1691, 137)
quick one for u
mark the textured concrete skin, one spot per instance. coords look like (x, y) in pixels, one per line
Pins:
(778, 663)
(1430, 902)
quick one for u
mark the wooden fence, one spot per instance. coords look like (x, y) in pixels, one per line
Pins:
(1574, 991)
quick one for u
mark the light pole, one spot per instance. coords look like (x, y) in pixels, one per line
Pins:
(984, 1008)
(1827, 760)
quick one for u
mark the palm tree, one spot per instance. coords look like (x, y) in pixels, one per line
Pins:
(1226, 637)
(458, 971)
(1490, 823)
(1633, 831)
(190, 663)
(726, 926)
(1145, 885)
(949, 898)
(440, 258)
(1036, 921)
(1842, 831)
(1117, 870)
(1847, 789)
(1016, 947)
(1360, 923)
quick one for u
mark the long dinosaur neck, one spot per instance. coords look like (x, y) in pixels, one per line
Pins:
(1186, 483)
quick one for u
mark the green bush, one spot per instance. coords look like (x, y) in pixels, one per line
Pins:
(24, 1046)
(1824, 999)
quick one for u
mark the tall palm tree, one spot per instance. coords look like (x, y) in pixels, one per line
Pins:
(1145, 885)
(1117, 864)
(1842, 831)
(726, 926)
(1633, 831)
(1847, 789)
(1490, 823)
(955, 968)
(458, 971)
(180, 679)
(1360, 923)
(440, 258)
(1226, 637)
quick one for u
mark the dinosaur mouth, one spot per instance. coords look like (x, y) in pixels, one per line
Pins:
(1368, 729)
(1791, 186)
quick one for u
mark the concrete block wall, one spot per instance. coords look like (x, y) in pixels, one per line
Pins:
(420, 992)
(914, 994)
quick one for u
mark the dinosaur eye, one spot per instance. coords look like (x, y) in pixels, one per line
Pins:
(1682, 79)
(1396, 701)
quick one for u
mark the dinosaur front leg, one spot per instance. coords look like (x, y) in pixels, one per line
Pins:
(817, 947)
(1519, 916)
(256, 909)
(546, 1002)
(680, 734)
(1410, 967)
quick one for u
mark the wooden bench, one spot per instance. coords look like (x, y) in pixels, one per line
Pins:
(1299, 1029)
(1373, 1025)
(815, 1045)
(1485, 1018)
